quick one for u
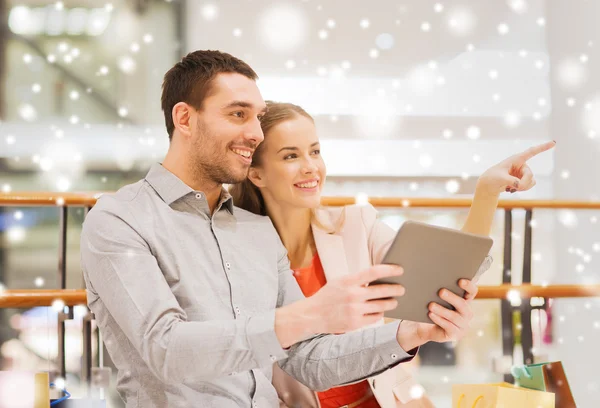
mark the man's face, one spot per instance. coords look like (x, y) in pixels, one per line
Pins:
(226, 131)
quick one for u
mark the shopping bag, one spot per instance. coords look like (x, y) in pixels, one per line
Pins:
(499, 395)
(548, 377)
(24, 390)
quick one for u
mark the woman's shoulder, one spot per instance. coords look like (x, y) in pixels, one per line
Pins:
(337, 217)
(354, 209)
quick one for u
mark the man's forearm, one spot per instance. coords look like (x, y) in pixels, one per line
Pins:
(327, 361)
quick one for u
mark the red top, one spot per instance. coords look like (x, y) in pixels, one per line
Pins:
(310, 280)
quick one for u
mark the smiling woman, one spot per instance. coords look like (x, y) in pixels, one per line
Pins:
(292, 169)
(285, 182)
(292, 139)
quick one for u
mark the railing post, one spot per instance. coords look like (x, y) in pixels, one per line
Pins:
(63, 316)
(62, 281)
(508, 337)
(86, 363)
(86, 210)
(526, 331)
(62, 247)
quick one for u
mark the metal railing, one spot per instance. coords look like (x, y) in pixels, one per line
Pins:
(70, 297)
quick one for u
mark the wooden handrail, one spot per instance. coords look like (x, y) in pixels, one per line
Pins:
(72, 297)
(48, 199)
(26, 199)
(416, 202)
(25, 298)
(528, 291)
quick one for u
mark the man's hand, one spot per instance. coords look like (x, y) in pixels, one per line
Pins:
(342, 305)
(348, 304)
(449, 325)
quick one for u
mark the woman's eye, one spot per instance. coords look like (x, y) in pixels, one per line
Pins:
(290, 156)
(316, 152)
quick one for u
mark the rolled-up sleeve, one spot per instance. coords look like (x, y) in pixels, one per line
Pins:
(123, 279)
(485, 265)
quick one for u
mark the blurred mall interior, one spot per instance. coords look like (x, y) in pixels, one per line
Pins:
(411, 98)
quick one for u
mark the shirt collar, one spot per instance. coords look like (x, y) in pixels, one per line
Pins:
(226, 200)
(171, 188)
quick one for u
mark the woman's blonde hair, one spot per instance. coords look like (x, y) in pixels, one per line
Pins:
(245, 194)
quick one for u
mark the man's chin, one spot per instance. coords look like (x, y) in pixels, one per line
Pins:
(231, 181)
(234, 179)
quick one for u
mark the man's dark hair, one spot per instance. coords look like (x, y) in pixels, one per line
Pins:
(190, 80)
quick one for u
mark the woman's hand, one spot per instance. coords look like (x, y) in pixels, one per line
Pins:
(450, 325)
(512, 174)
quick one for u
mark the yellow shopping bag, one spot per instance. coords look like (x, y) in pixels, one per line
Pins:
(500, 395)
(24, 390)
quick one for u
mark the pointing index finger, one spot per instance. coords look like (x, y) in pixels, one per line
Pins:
(535, 150)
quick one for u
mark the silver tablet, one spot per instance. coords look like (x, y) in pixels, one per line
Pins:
(433, 258)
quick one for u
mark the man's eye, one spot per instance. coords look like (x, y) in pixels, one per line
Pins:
(238, 114)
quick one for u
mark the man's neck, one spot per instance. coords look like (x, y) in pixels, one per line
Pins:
(181, 167)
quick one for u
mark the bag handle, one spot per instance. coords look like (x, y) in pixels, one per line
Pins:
(479, 398)
(66, 396)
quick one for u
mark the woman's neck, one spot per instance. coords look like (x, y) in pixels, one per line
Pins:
(294, 228)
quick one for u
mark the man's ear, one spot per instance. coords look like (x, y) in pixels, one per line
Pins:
(182, 118)
(256, 177)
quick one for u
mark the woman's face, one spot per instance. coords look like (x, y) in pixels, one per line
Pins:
(292, 170)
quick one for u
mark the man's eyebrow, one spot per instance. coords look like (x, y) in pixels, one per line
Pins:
(244, 104)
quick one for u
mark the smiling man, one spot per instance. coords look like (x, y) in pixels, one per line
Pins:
(195, 297)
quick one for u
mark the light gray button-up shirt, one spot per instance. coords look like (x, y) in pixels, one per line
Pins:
(186, 301)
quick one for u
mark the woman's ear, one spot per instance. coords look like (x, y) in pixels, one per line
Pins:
(256, 177)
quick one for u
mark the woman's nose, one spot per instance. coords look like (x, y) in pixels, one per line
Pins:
(310, 167)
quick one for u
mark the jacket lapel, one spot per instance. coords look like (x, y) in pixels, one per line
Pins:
(331, 250)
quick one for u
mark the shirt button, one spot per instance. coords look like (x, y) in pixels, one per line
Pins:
(237, 310)
(233, 373)
(273, 358)
(254, 404)
(198, 196)
(394, 356)
(228, 265)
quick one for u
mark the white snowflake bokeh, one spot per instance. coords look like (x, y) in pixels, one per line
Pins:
(461, 21)
(571, 74)
(283, 28)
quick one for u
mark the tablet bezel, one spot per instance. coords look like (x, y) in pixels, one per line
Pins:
(433, 258)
